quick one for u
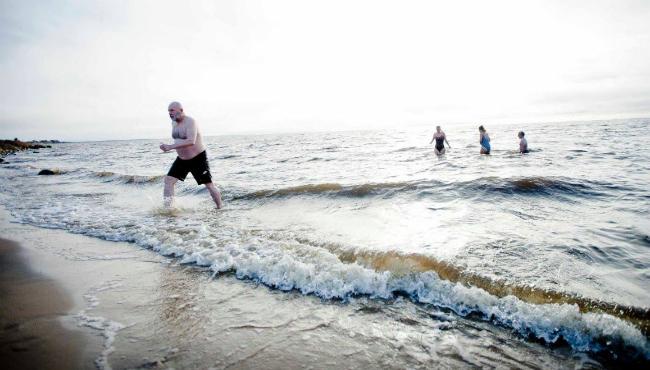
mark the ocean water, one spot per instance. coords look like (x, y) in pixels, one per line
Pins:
(551, 247)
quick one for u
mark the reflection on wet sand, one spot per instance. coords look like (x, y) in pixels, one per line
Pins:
(178, 294)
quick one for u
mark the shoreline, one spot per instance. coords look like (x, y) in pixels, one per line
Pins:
(128, 307)
(133, 308)
(33, 336)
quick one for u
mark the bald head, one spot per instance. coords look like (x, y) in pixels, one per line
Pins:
(175, 105)
(175, 110)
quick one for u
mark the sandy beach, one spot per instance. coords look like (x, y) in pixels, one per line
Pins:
(32, 306)
(79, 302)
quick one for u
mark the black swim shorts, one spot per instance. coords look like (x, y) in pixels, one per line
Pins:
(198, 166)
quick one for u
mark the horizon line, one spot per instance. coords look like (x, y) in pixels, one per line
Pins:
(293, 132)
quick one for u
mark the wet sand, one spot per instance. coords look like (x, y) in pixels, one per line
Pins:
(33, 336)
(114, 305)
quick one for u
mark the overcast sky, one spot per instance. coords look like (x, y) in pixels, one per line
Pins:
(94, 70)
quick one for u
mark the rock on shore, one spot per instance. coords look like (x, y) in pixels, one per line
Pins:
(49, 172)
(15, 145)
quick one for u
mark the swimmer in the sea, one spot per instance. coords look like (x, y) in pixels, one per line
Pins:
(440, 138)
(484, 140)
(523, 143)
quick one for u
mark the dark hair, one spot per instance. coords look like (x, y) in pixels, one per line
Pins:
(521, 133)
(481, 128)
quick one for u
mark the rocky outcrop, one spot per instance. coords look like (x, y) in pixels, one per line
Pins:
(15, 145)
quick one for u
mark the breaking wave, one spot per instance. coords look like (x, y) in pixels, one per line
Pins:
(331, 272)
(332, 189)
(531, 186)
(399, 263)
(109, 176)
(586, 327)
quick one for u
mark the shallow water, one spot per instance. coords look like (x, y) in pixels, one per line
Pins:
(551, 246)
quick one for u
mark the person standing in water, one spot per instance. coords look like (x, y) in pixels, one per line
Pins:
(440, 138)
(191, 155)
(484, 140)
(523, 143)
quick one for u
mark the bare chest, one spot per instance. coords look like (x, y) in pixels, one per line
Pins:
(179, 132)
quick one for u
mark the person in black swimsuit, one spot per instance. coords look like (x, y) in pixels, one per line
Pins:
(440, 138)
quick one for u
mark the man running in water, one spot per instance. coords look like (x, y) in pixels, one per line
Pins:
(191, 155)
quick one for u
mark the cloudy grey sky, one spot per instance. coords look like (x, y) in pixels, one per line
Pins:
(93, 70)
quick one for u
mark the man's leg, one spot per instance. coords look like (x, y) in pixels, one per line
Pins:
(168, 193)
(214, 193)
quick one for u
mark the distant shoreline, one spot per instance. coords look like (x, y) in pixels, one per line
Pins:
(15, 145)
